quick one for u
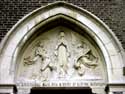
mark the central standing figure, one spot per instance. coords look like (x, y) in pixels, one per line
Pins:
(62, 56)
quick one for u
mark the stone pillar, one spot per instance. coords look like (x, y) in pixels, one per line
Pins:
(116, 89)
(24, 90)
(8, 89)
(98, 90)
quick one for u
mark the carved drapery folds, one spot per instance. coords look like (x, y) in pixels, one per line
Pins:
(85, 60)
(60, 56)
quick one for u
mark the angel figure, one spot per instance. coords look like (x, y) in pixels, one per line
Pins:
(39, 53)
(43, 67)
(85, 60)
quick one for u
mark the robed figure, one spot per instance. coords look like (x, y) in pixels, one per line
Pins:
(62, 56)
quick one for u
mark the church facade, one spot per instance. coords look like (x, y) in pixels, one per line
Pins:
(61, 46)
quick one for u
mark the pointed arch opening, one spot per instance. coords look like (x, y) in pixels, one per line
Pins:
(80, 35)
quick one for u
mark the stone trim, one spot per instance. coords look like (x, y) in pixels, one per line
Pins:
(17, 36)
(8, 89)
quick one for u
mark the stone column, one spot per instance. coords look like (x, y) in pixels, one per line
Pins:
(24, 90)
(8, 89)
(116, 89)
(98, 90)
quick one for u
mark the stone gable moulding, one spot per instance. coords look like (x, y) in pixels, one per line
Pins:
(70, 16)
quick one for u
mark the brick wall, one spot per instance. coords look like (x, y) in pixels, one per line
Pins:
(110, 11)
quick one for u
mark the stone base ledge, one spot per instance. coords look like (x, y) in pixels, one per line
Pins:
(118, 88)
(8, 89)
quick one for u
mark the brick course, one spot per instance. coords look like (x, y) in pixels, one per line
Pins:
(110, 11)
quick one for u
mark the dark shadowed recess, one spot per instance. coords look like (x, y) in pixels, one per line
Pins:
(49, 90)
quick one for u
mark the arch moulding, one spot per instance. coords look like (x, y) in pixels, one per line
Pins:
(108, 44)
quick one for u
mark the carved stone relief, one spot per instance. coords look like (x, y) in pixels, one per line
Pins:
(60, 55)
(85, 60)
(40, 56)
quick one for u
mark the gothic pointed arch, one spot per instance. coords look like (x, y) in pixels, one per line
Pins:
(74, 37)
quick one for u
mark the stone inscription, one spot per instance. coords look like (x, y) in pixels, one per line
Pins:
(73, 84)
(62, 84)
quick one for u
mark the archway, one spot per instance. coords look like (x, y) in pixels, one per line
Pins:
(70, 17)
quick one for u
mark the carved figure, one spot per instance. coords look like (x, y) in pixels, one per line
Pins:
(62, 56)
(39, 53)
(41, 57)
(46, 69)
(87, 59)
